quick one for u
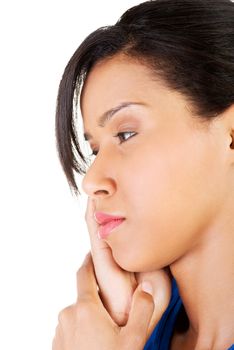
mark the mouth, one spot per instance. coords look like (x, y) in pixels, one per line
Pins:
(102, 218)
(107, 223)
(105, 229)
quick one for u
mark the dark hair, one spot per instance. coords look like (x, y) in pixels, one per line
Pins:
(188, 44)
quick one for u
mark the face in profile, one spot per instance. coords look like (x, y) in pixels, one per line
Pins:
(157, 165)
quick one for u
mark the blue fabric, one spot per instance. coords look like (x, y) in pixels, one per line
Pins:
(162, 334)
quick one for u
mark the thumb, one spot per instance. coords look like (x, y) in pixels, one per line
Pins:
(161, 283)
(136, 330)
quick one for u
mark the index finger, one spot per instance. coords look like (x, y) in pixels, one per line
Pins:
(98, 246)
(104, 265)
(87, 287)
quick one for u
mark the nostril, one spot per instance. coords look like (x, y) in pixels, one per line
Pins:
(96, 184)
(101, 192)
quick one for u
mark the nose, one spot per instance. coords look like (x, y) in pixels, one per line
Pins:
(99, 181)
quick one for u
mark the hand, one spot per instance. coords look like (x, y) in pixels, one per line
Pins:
(86, 325)
(117, 295)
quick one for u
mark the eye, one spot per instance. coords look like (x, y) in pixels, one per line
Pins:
(121, 137)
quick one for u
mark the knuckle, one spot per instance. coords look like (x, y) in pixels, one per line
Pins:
(65, 314)
(81, 311)
(83, 269)
(84, 310)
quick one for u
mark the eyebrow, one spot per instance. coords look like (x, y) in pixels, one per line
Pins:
(106, 117)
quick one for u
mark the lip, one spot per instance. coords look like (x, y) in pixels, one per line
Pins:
(105, 229)
(107, 223)
(103, 218)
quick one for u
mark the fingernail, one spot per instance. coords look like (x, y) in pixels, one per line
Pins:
(147, 287)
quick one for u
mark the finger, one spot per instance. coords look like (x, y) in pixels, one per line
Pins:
(57, 343)
(161, 284)
(101, 252)
(87, 288)
(106, 270)
(136, 330)
(98, 246)
(161, 294)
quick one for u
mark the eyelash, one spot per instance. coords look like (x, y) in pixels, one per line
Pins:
(95, 152)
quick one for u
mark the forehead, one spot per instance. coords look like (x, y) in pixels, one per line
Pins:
(112, 82)
(120, 80)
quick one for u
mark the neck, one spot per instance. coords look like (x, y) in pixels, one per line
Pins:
(205, 278)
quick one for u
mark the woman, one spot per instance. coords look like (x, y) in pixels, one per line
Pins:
(157, 102)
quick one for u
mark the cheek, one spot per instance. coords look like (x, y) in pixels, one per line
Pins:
(177, 179)
(170, 200)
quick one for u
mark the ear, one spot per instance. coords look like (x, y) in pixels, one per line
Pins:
(230, 123)
(232, 143)
(231, 116)
(228, 118)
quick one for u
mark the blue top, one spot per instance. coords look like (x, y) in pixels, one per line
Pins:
(162, 333)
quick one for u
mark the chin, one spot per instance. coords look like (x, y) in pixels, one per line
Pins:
(124, 263)
(134, 264)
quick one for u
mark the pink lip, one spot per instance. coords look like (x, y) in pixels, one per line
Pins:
(103, 218)
(107, 223)
(105, 229)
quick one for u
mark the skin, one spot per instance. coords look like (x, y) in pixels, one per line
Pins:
(87, 325)
(173, 181)
(117, 296)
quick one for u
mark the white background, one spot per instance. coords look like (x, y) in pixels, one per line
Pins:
(43, 237)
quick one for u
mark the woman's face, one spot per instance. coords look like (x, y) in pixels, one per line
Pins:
(164, 174)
